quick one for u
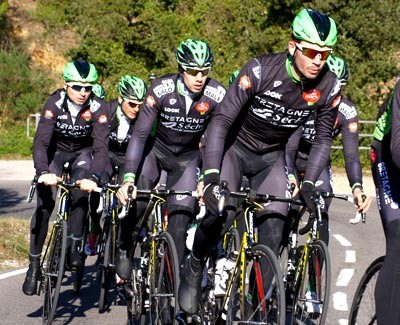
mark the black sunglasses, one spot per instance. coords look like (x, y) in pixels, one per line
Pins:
(79, 88)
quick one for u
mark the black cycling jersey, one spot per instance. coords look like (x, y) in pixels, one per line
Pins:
(271, 106)
(56, 131)
(177, 130)
(346, 123)
(114, 145)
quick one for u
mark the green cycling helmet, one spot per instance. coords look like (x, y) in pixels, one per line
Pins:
(81, 71)
(132, 88)
(233, 77)
(339, 67)
(99, 91)
(193, 53)
(314, 27)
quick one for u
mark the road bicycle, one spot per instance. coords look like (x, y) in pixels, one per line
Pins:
(306, 266)
(254, 290)
(153, 287)
(54, 262)
(107, 246)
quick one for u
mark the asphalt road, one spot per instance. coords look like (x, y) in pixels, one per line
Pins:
(352, 248)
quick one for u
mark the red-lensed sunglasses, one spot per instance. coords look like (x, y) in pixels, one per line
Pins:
(311, 53)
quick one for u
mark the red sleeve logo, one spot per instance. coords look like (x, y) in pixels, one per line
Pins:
(87, 115)
(48, 114)
(311, 96)
(150, 101)
(244, 82)
(202, 107)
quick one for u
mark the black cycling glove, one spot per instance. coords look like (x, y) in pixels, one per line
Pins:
(307, 195)
(213, 192)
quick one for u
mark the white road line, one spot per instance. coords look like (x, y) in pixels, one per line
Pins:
(350, 256)
(12, 273)
(343, 321)
(340, 301)
(344, 277)
(343, 241)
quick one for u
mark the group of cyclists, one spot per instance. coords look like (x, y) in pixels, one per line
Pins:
(273, 126)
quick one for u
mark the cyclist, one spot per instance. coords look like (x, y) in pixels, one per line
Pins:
(182, 103)
(385, 160)
(99, 91)
(123, 113)
(271, 97)
(73, 126)
(346, 123)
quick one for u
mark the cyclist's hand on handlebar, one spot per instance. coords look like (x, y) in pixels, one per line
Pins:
(122, 193)
(294, 186)
(307, 195)
(49, 179)
(362, 201)
(212, 195)
(86, 185)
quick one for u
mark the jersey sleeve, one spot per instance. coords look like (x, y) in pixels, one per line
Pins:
(141, 132)
(291, 149)
(395, 131)
(224, 116)
(320, 150)
(43, 136)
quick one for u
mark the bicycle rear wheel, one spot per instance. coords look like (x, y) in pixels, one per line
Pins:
(311, 298)
(107, 273)
(164, 282)
(258, 297)
(363, 307)
(53, 270)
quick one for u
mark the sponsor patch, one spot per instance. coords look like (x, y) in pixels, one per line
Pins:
(202, 107)
(166, 87)
(353, 127)
(244, 82)
(103, 118)
(311, 96)
(87, 115)
(150, 101)
(48, 114)
(348, 111)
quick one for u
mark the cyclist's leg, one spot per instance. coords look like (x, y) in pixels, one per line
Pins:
(387, 299)
(80, 168)
(324, 183)
(39, 226)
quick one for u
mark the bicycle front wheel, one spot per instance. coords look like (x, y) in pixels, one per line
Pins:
(363, 307)
(311, 301)
(164, 282)
(107, 264)
(258, 296)
(53, 270)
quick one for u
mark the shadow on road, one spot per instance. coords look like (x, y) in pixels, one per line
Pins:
(10, 198)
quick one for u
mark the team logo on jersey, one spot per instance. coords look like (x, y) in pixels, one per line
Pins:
(311, 96)
(150, 101)
(244, 82)
(202, 107)
(87, 115)
(103, 118)
(353, 127)
(257, 72)
(48, 114)
(166, 87)
(372, 156)
(216, 94)
(172, 101)
(348, 111)
(277, 83)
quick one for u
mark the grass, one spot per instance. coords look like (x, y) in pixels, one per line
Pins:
(14, 242)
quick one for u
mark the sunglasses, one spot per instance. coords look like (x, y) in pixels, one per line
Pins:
(133, 104)
(79, 88)
(311, 53)
(193, 72)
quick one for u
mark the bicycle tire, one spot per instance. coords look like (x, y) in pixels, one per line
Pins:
(251, 302)
(53, 271)
(105, 270)
(164, 281)
(362, 309)
(312, 287)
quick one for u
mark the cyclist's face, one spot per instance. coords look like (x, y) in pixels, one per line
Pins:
(194, 82)
(78, 92)
(130, 108)
(309, 58)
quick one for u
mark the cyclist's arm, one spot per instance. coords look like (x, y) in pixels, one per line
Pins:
(43, 137)
(395, 131)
